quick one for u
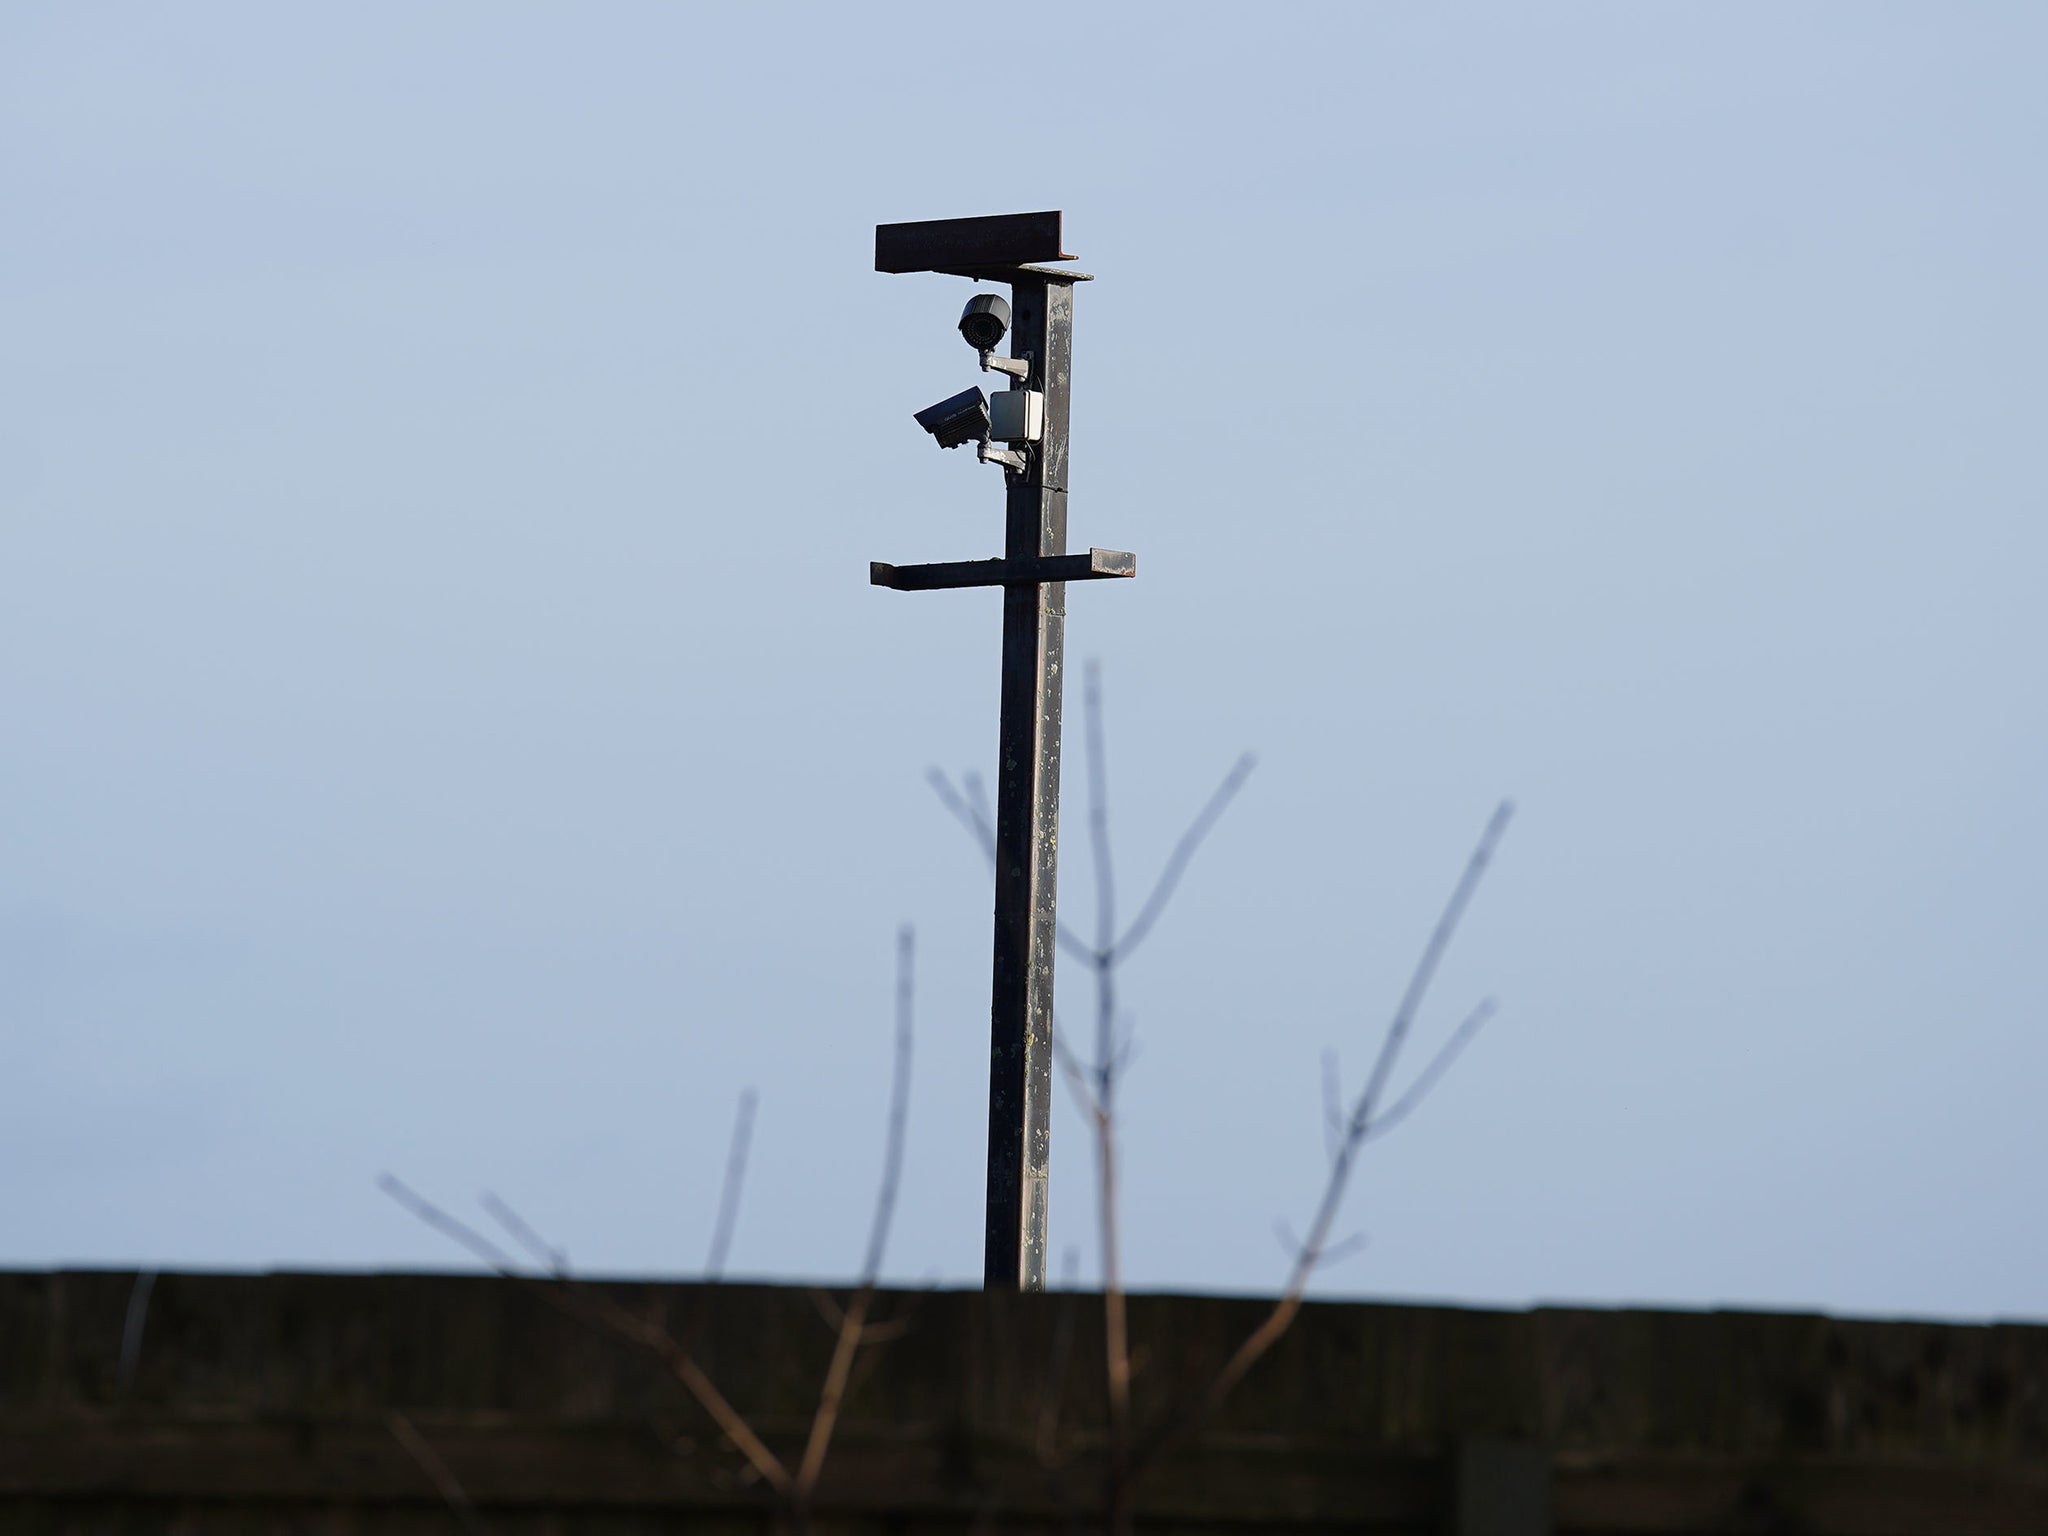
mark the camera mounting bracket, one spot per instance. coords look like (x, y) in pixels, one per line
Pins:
(1018, 368)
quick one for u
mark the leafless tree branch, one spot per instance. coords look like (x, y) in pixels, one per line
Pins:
(1115, 1320)
(1184, 851)
(133, 1321)
(853, 1328)
(594, 1308)
(1426, 1080)
(977, 796)
(1079, 1078)
(969, 807)
(1357, 1129)
(554, 1260)
(730, 1185)
(1094, 1084)
(428, 1460)
(980, 829)
(899, 1103)
(833, 1315)
(1425, 968)
(1332, 1253)
(460, 1232)
(1333, 1104)
(1098, 810)
(1054, 1385)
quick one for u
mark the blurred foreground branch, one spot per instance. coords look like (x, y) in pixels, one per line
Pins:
(592, 1307)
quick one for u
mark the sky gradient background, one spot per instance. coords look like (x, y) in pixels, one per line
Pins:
(445, 726)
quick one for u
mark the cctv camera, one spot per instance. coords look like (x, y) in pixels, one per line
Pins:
(961, 418)
(985, 321)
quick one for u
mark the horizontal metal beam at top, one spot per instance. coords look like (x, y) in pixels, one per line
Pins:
(1096, 565)
(1029, 274)
(947, 245)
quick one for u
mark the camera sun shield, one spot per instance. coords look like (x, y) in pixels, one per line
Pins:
(957, 419)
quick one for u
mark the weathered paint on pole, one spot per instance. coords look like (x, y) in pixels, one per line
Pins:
(1028, 811)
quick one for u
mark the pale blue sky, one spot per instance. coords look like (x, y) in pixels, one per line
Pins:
(448, 729)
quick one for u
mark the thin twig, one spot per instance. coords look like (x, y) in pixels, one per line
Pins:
(594, 1308)
(132, 1324)
(887, 1333)
(461, 1232)
(977, 827)
(977, 796)
(1333, 1104)
(1183, 851)
(554, 1260)
(1276, 1322)
(1098, 811)
(1076, 1074)
(1095, 1084)
(833, 1315)
(1425, 968)
(729, 1186)
(1115, 1322)
(853, 1325)
(1426, 1080)
(899, 1102)
(1332, 1253)
(969, 807)
(429, 1461)
(1052, 1390)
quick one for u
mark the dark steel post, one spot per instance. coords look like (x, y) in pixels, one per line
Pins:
(1028, 810)
(1033, 572)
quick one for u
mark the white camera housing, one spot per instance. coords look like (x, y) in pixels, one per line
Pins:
(1016, 416)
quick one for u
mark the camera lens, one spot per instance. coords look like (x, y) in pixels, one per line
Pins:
(985, 321)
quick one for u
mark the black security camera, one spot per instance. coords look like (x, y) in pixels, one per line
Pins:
(961, 418)
(985, 321)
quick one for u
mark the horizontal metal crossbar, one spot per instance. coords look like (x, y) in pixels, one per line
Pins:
(1096, 565)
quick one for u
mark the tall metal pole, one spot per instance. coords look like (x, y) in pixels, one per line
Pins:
(1033, 572)
(1028, 811)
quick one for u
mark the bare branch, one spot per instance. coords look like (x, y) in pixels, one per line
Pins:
(1277, 1322)
(977, 796)
(1333, 1104)
(899, 1103)
(1343, 1248)
(1425, 968)
(1098, 811)
(970, 809)
(1128, 1049)
(1427, 1079)
(448, 1226)
(729, 1187)
(826, 1419)
(656, 1340)
(1108, 1059)
(429, 1461)
(828, 1309)
(1054, 1384)
(979, 827)
(885, 1333)
(1076, 1075)
(554, 1260)
(1183, 851)
(594, 1308)
(1332, 1253)
(853, 1324)
(132, 1323)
